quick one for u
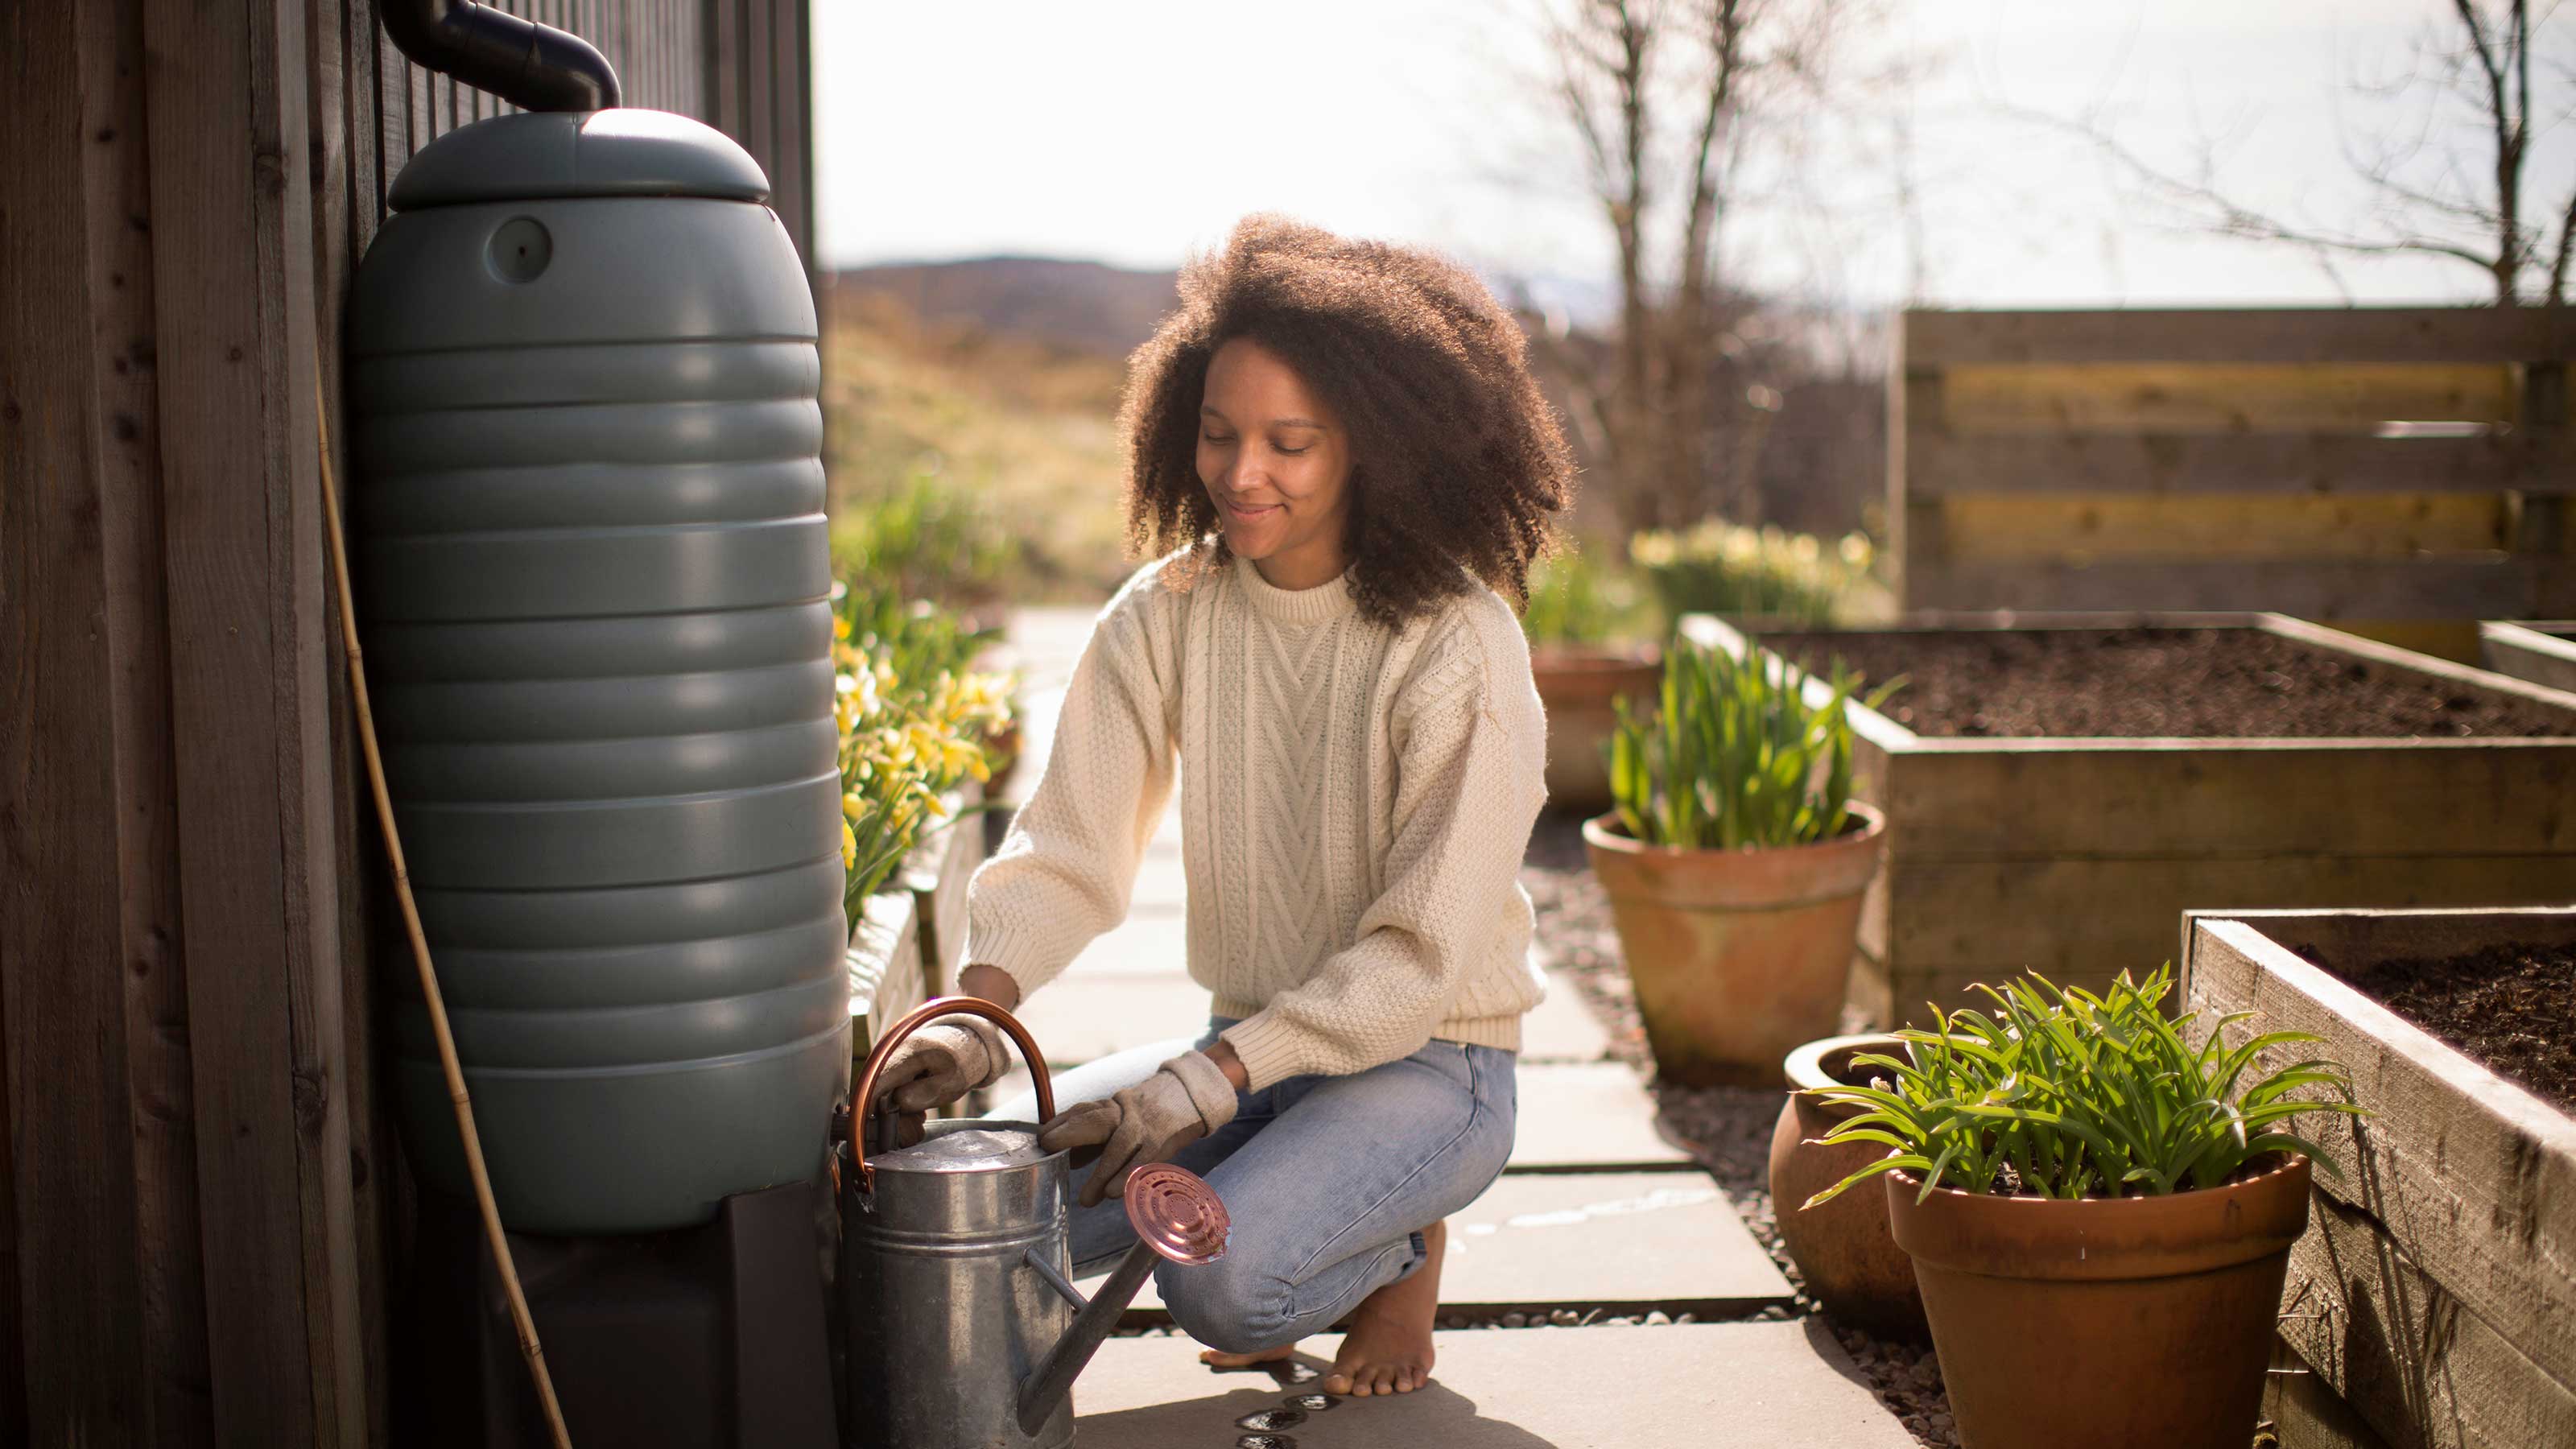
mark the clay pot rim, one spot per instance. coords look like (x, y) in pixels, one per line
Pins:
(2102, 1238)
(1604, 832)
(1804, 1068)
(2288, 1162)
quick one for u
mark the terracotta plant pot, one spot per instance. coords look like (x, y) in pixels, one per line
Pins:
(1843, 1249)
(1737, 955)
(2106, 1322)
(1577, 685)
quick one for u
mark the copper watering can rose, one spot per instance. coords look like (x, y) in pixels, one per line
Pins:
(965, 1327)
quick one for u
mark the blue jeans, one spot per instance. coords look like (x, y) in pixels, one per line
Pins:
(1328, 1181)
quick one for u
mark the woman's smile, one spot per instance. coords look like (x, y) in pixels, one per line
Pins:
(1268, 448)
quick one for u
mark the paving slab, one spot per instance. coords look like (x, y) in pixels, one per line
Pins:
(1562, 1028)
(1591, 1117)
(1625, 1242)
(1688, 1386)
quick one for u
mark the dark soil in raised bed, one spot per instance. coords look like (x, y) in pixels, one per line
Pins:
(2161, 683)
(2512, 1009)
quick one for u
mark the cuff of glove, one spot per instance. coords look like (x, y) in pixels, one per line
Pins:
(997, 1057)
(1205, 1081)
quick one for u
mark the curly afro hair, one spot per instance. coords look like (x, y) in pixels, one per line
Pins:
(1457, 462)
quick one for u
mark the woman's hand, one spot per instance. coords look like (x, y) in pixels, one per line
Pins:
(1190, 1097)
(945, 1059)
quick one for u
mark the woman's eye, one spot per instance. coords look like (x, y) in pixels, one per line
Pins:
(1214, 438)
(1290, 452)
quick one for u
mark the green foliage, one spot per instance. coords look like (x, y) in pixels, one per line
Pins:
(915, 722)
(1716, 567)
(1734, 754)
(1575, 598)
(914, 637)
(925, 538)
(2061, 1094)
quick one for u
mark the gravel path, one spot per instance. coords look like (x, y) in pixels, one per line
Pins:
(1727, 1128)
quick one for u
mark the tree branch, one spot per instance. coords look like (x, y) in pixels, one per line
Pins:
(2557, 295)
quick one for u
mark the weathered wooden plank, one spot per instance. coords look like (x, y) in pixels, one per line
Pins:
(2381, 933)
(393, 108)
(2211, 799)
(2472, 1178)
(2493, 587)
(791, 171)
(229, 154)
(759, 91)
(884, 965)
(937, 877)
(2304, 1410)
(169, 1251)
(2163, 463)
(1916, 421)
(1959, 918)
(2321, 334)
(2542, 653)
(2223, 397)
(343, 130)
(2083, 527)
(2415, 1365)
(72, 1333)
(726, 97)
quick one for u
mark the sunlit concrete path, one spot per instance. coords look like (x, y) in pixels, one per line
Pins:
(1598, 1214)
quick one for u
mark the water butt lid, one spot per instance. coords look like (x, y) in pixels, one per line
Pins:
(539, 154)
(964, 1147)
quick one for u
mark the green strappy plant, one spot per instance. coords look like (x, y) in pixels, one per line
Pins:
(1734, 755)
(2060, 1093)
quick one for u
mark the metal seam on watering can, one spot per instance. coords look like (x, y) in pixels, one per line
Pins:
(590, 537)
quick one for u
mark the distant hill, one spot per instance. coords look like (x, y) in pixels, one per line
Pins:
(1079, 306)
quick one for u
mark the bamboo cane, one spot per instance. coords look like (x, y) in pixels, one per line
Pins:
(526, 1323)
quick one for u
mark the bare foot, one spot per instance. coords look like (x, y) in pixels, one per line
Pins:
(1388, 1348)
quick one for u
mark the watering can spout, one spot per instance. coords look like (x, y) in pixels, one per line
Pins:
(1176, 1216)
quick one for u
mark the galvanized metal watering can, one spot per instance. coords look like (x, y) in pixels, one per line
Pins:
(966, 1331)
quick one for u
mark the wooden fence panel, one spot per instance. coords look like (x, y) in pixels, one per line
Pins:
(2393, 469)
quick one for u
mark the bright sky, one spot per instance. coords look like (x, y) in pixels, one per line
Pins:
(1134, 132)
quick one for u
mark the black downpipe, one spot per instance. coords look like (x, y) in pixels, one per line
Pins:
(534, 67)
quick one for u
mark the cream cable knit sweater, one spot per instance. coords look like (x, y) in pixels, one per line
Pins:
(1355, 801)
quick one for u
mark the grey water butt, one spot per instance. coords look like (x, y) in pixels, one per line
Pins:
(590, 549)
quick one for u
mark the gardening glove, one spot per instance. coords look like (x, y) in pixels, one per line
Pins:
(943, 1061)
(1185, 1100)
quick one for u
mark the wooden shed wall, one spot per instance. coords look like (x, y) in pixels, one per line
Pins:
(195, 1178)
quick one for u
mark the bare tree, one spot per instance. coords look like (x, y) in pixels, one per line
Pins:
(1687, 113)
(2432, 195)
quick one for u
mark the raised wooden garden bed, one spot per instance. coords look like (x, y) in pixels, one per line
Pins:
(2544, 653)
(2435, 1292)
(904, 950)
(2058, 794)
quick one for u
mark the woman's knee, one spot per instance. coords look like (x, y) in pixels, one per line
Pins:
(1232, 1305)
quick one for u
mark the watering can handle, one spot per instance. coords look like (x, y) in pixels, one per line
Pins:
(913, 1021)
